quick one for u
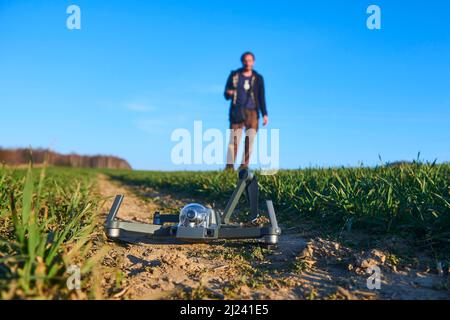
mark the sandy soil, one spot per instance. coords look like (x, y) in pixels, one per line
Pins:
(300, 268)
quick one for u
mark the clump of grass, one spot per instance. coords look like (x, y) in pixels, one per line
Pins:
(46, 222)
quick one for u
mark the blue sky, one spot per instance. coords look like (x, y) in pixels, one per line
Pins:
(339, 93)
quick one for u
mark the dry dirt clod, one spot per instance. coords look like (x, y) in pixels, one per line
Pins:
(346, 294)
(308, 251)
(369, 259)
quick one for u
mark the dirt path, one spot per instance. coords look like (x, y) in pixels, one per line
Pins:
(310, 268)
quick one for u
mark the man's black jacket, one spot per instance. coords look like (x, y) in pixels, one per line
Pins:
(257, 88)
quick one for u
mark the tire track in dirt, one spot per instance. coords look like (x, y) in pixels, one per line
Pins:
(143, 268)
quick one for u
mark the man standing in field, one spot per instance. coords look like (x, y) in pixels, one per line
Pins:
(245, 89)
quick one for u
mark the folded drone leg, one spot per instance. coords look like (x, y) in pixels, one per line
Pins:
(252, 192)
(115, 208)
(272, 239)
(113, 231)
(272, 215)
(114, 226)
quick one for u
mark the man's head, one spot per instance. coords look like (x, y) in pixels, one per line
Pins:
(248, 60)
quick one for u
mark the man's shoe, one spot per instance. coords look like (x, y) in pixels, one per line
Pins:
(229, 167)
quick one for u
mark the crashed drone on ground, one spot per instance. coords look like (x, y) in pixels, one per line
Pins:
(198, 223)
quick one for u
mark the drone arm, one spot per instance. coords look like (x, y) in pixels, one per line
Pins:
(114, 227)
(114, 209)
(248, 183)
(136, 227)
(272, 216)
(232, 203)
(252, 191)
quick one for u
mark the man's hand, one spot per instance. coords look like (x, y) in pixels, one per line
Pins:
(265, 120)
(230, 93)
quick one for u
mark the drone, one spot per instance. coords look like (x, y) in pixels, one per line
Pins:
(198, 223)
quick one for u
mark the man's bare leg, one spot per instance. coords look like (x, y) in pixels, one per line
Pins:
(251, 129)
(250, 135)
(233, 145)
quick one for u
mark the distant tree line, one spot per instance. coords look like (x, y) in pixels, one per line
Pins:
(23, 156)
